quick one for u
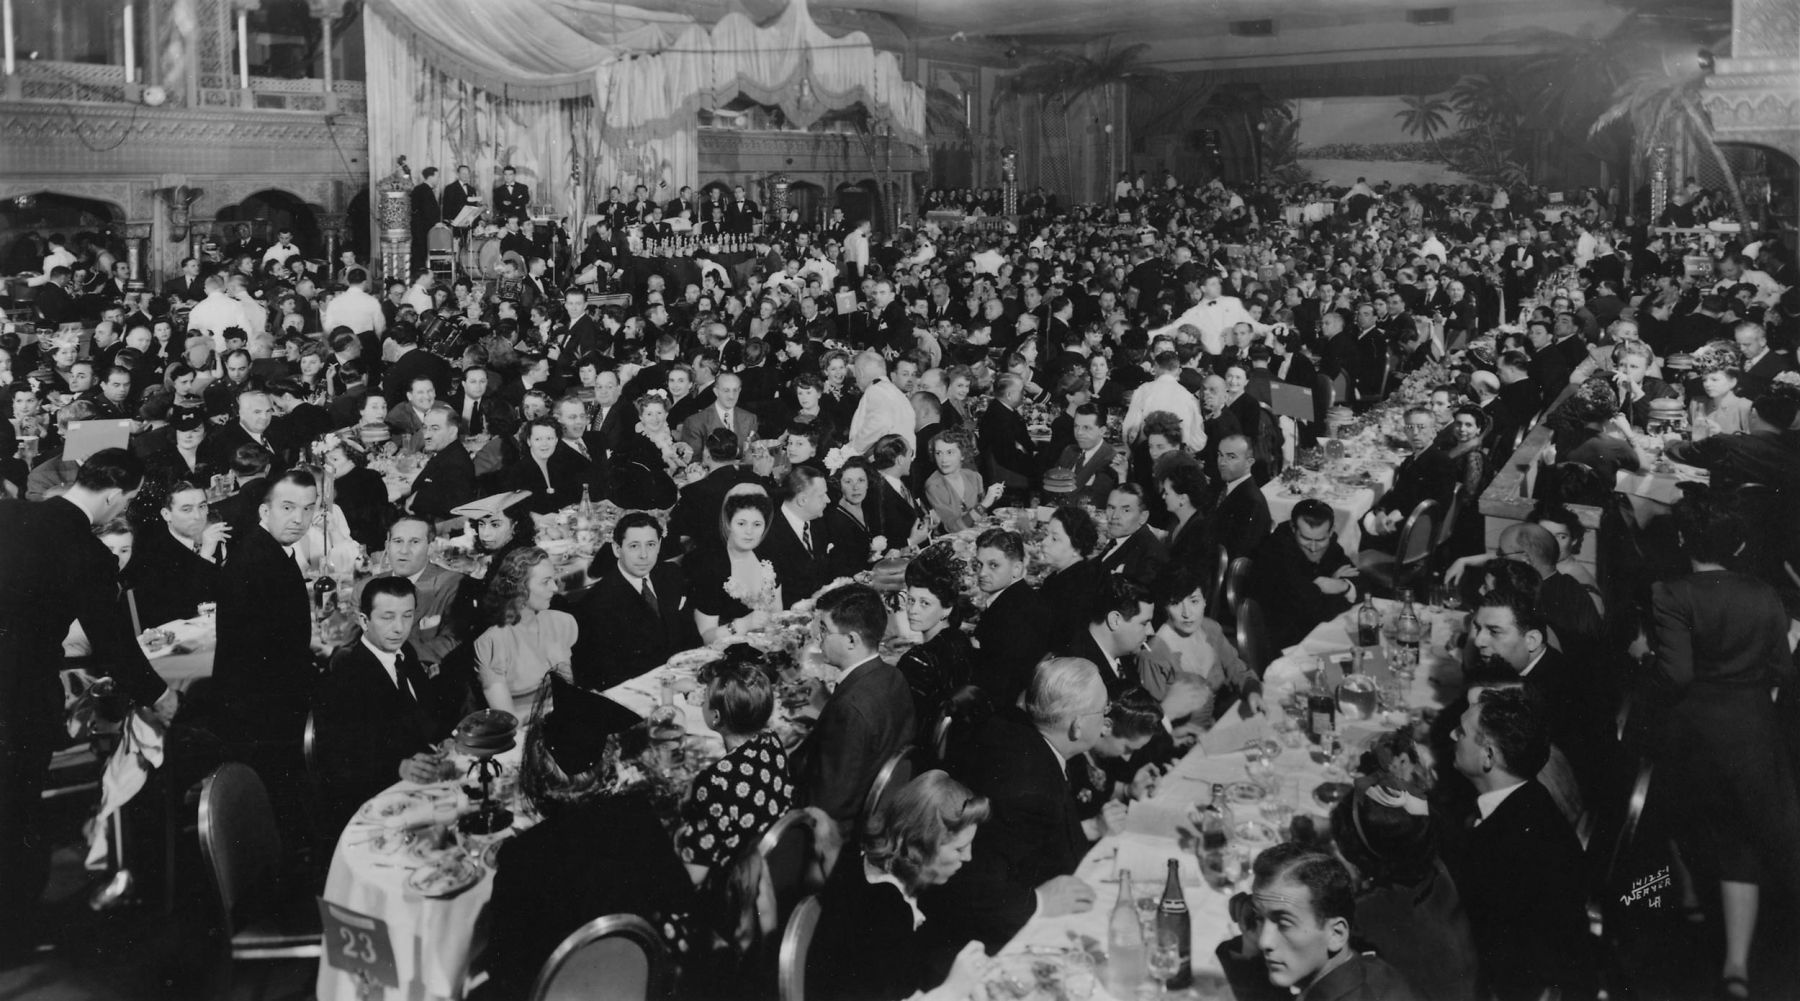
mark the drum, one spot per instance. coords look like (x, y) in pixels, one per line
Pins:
(481, 257)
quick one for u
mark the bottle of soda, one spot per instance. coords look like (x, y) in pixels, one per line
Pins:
(1124, 942)
(1321, 708)
(1408, 632)
(1368, 624)
(1173, 921)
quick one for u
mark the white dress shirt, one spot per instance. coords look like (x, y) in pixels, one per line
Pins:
(1165, 392)
(356, 309)
(1212, 317)
(884, 410)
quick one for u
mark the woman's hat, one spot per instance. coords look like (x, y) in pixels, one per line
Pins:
(578, 724)
(492, 505)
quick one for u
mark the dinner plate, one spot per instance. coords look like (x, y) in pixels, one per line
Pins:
(394, 809)
(1256, 832)
(1245, 792)
(445, 877)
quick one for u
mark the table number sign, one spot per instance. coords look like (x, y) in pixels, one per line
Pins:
(359, 945)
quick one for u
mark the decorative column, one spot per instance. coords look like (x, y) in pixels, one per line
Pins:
(778, 195)
(1009, 172)
(137, 235)
(333, 227)
(394, 209)
(327, 11)
(1659, 183)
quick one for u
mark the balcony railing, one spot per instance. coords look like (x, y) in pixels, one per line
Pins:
(46, 80)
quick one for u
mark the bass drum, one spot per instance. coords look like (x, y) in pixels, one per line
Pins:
(481, 257)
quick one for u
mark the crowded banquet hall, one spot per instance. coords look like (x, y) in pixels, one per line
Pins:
(800, 500)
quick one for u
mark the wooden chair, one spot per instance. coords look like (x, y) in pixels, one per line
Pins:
(1446, 531)
(797, 852)
(796, 943)
(242, 848)
(1217, 569)
(1411, 558)
(1253, 637)
(895, 772)
(940, 738)
(618, 957)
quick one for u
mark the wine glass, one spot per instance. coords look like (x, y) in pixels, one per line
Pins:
(1164, 961)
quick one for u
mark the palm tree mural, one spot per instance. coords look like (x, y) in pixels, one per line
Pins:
(1424, 116)
(1057, 80)
(1664, 109)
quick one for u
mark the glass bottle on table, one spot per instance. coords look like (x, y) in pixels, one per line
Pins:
(1124, 942)
(1321, 708)
(1368, 623)
(1408, 632)
(1175, 926)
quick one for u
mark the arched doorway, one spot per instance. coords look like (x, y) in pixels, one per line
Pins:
(808, 198)
(356, 218)
(860, 201)
(27, 221)
(271, 211)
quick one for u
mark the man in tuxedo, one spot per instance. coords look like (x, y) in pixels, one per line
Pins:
(795, 543)
(371, 713)
(426, 213)
(1300, 575)
(639, 206)
(512, 200)
(1007, 453)
(448, 480)
(458, 194)
(1132, 548)
(1519, 868)
(1428, 474)
(741, 214)
(1240, 518)
(55, 306)
(1024, 855)
(188, 286)
(1014, 632)
(581, 334)
(577, 439)
(1118, 622)
(684, 200)
(482, 413)
(636, 616)
(54, 572)
(263, 666)
(868, 717)
(175, 565)
(696, 515)
(724, 414)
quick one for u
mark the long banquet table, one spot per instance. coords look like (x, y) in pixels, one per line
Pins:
(1348, 503)
(1151, 837)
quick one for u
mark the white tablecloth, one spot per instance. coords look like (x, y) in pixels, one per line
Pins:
(1150, 839)
(1348, 509)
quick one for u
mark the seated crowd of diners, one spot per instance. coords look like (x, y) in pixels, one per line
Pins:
(1119, 366)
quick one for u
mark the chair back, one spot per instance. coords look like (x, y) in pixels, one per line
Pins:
(1237, 582)
(1634, 813)
(1447, 525)
(239, 840)
(1218, 566)
(1416, 537)
(940, 738)
(793, 859)
(796, 943)
(617, 957)
(1253, 636)
(897, 771)
(309, 746)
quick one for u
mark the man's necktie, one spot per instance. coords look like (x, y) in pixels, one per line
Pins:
(806, 537)
(650, 598)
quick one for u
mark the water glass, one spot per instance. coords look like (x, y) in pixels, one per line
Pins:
(1078, 975)
(1283, 802)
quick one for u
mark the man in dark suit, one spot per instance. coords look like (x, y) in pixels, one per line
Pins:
(188, 286)
(1300, 575)
(458, 194)
(1014, 632)
(741, 214)
(795, 542)
(696, 516)
(1763, 455)
(298, 423)
(175, 564)
(1428, 474)
(581, 336)
(1550, 367)
(1132, 546)
(1761, 363)
(371, 714)
(1007, 454)
(868, 717)
(414, 361)
(1118, 622)
(448, 480)
(54, 305)
(53, 572)
(1519, 868)
(426, 213)
(512, 200)
(611, 419)
(1024, 855)
(1240, 518)
(586, 445)
(724, 414)
(636, 616)
(240, 512)
(255, 415)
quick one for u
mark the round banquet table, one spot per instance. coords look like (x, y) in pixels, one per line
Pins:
(436, 940)
(1151, 837)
